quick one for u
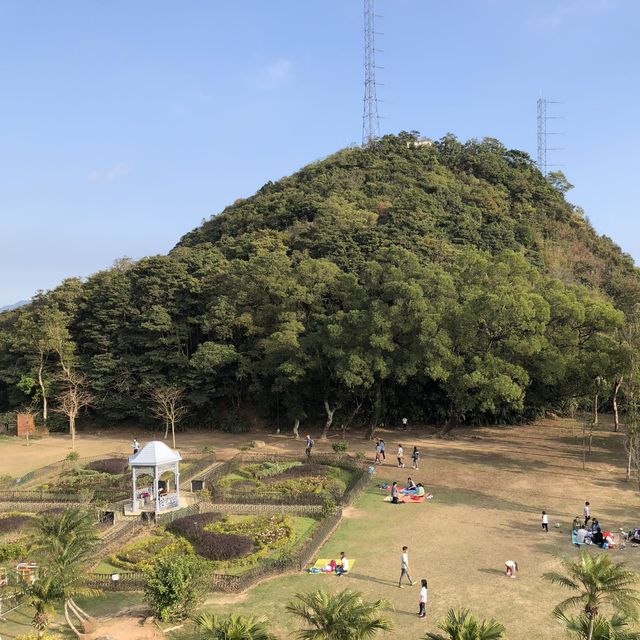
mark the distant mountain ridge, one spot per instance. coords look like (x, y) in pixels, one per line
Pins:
(15, 305)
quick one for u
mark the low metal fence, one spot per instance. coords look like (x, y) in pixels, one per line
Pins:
(120, 581)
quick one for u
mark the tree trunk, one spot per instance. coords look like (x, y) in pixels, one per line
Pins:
(347, 423)
(67, 617)
(595, 410)
(72, 431)
(296, 428)
(591, 621)
(616, 419)
(377, 409)
(166, 428)
(173, 432)
(452, 422)
(630, 445)
(43, 390)
(329, 421)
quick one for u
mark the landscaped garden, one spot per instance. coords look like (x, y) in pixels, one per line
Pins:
(230, 543)
(14, 532)
(284, 481)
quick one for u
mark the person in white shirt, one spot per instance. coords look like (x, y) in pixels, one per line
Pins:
(405, 422)
(423, 599)
(343, 567)
(404, 567)
(136, 446)
(545, 521)
(400, 456)
(587, 513)
(512, 567)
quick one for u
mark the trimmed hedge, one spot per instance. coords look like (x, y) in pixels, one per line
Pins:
(10, 524)
(211, 545)
(114, 466)
(300, 471)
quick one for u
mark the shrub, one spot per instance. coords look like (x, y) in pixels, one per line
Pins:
(6, 482)
(340, 446)
(233, 423)
(175, 587)
(243, 485)
(114, 466)
(265, 530)
(268, 469)
(143, 553)
(13, 523)
(72, 455)
(211, 544)
(12, 551)
(313, 484)
(301, 471)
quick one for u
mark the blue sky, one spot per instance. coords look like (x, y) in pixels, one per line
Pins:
(123, 124)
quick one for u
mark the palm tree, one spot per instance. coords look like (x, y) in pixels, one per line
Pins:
(65, 546)
(41, 594)
(343, 616)
(615, 628)
(598, 581)
(234, 627)
(461, 624)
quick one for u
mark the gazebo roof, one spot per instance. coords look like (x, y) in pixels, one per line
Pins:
(154, 453)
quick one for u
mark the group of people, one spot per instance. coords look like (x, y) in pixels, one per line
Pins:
(412, 488)
(381, 454)
(587, 530)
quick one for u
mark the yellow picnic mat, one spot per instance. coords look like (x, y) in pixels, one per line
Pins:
(323, 562)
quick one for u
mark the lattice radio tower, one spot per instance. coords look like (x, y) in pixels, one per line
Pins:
(370, 118)
(543, 134)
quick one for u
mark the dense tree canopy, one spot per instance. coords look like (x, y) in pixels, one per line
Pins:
(448, 281)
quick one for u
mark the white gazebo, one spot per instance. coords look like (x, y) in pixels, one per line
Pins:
(154, 459)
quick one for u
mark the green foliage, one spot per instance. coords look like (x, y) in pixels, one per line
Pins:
(267, 469)
(72, 456)
(233, 627)
(6, 481)
(452, 282)
(340, 446)
(618, 627)
(12, 551)
(175, 587)
(462, 625)
(342, 616)
(266, 531)
(142, 554)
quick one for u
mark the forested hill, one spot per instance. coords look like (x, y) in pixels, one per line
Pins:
(449, 282)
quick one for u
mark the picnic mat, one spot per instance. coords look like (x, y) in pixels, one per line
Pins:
(405, 499)
(323, 562)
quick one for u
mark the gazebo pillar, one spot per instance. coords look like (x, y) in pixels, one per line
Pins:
(155, 489)
(134, 498)
(176, 476)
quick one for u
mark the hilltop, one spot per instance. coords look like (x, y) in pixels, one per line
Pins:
(448, 281)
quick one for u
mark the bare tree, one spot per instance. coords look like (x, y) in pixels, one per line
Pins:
(168, 405)
(74, 396)
(329, 421)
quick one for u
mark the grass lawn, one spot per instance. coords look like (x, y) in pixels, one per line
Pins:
(489, 493)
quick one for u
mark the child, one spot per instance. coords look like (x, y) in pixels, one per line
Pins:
(545, 521)
(400, 456)
(623, 538)
(512, 567)
(415, 456)
(394, 493)
(587, 513)
(309, 446)
(378, 451)
(423, 599)
(382, 446)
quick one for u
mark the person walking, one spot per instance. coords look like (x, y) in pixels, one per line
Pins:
(404, 567)
(309, 446)
(378, 450)
(423, 599)
(586, 512)
(136, 446)
(382, 446)
(405, 423)
(400, 456)
(545, 521)
(415, 457)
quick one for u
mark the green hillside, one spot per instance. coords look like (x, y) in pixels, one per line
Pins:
(449, 282)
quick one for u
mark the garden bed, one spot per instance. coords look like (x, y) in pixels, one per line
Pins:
(228, 543)
(14, 532)
(282, 482)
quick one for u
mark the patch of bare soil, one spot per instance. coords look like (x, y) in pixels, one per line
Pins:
(352, 512)
(128, 625)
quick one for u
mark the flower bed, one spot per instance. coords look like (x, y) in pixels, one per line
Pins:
(10, 525)
(142, 553)
(113, 466)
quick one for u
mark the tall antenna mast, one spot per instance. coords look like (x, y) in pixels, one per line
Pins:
(543, 133)
(370, 119)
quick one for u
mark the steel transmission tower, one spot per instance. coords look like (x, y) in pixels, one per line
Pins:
(543, 133)
(370, 118)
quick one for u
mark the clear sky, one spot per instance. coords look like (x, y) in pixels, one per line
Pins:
(123, 124)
